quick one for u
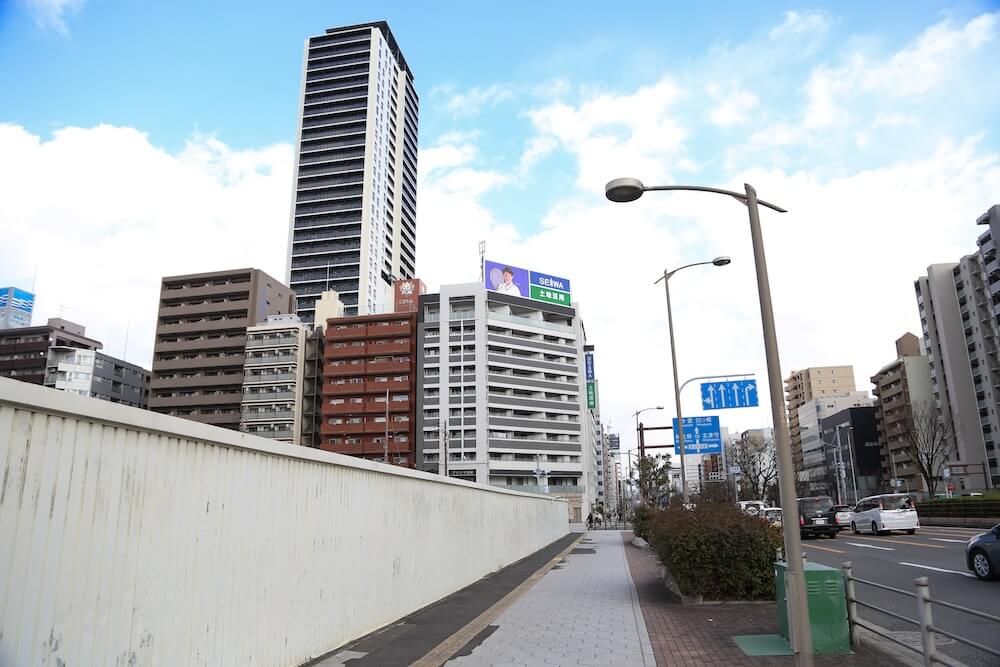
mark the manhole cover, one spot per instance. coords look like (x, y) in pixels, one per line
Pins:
(912, 639)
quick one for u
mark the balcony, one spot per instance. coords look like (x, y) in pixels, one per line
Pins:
(269, 378)
(369, 449)
(344, 370)
(267, 415)
(397, 329)
(392, 385)
(205, 308)
(390, 366)
(347, 333)
(181, 328)
(235, 342)
(236, 380)
(269, 396)
(347, 352)
(280, 341)
(388, 347)
(341, 429)
(228, 361)
(271, 359)
(346, 389)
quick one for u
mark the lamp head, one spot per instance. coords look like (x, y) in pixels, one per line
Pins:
(659, 407)
(623, 190)
(721, 261)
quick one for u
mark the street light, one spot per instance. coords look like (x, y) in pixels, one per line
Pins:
(718, 261)
(629, 189)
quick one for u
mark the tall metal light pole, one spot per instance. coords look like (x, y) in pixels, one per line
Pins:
(718, 261)
(630, 189)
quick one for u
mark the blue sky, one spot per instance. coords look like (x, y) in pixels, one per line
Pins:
(125, 126)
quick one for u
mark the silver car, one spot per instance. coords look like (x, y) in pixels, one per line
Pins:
(982, 554)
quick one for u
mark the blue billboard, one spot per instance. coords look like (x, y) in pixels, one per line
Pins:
(16, 306)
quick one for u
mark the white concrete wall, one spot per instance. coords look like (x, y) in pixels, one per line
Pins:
(129, 537)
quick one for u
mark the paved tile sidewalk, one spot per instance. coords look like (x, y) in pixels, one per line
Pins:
(585, 611)
(698, 636)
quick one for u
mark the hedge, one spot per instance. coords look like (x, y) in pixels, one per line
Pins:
(717, 551)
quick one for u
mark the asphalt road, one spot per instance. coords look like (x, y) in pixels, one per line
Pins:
(896, 560)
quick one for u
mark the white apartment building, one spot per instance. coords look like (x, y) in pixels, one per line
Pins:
(273, 379)
(501, 389)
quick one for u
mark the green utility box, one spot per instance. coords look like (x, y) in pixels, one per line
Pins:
(827, 607)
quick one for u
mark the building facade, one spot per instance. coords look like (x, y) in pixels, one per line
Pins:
(958, 340)
(805, 385)
(369, 388)
(897, 387)
(503, 396)
(24, 351)
(201, 335)
(810, 417)
(354, 209)
(274, 379)
(16, 307)
(852, 450)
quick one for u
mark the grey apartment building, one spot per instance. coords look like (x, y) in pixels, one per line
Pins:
(201, 335)
(354, 209)
(501, 388)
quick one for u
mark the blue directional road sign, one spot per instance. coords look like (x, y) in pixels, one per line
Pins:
(702, 435)
(729, 394)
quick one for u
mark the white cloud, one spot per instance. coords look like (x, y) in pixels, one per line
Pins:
(470, 102)
(612, 133)
(52, 14)
(731, 105)
(798, 24)
(939, 53)
(102, 215)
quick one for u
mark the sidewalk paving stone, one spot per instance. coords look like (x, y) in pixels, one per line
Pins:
(697, 636)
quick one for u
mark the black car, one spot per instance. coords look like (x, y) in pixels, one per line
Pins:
(817, 516)
(982, 554)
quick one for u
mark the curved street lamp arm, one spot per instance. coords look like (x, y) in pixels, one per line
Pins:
(714, 377)
(719, 191)
(668, 274)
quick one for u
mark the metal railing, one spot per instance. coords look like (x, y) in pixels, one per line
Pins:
(924, 621)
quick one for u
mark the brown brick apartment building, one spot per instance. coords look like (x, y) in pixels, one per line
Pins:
(367, 358)
(24, 351)
(201, 332)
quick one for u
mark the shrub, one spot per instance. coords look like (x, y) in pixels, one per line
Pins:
(641, 517)
(717, 551)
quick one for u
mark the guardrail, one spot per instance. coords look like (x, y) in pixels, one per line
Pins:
(924, 621)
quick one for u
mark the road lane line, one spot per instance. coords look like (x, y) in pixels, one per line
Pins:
(944, 539)
(892, 541)
(870, 546)
(940, 569)
(831, 550)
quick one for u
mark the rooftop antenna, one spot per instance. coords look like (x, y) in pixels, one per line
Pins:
(482, 261)
(61, 308)
(128, 324)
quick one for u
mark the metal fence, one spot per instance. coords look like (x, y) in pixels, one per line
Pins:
(960, 509)
(924, 620)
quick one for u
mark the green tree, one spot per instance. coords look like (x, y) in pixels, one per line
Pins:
(651, 476)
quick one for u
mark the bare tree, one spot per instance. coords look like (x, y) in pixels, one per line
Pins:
(758, 466)
(927, 439)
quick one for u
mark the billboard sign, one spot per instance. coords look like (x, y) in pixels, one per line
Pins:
(702, 435)
(16, 306)
(588, 359)
(591, 396)
(588, 364)
(515, 281)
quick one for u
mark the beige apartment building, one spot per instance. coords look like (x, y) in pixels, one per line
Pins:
(804, 386)
(897, 387)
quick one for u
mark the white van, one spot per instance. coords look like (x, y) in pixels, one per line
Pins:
(880, 515)
(752, 507)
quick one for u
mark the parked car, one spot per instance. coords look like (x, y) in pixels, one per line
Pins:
(752, 507)
(844, 515)
(880, 515)
(772, 515)
(982, 554)
(817, 516)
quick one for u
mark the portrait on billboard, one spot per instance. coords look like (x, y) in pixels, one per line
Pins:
(506, 279)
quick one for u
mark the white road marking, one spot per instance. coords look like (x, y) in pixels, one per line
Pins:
(945, 539)
(940, 569)
(870, 546)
